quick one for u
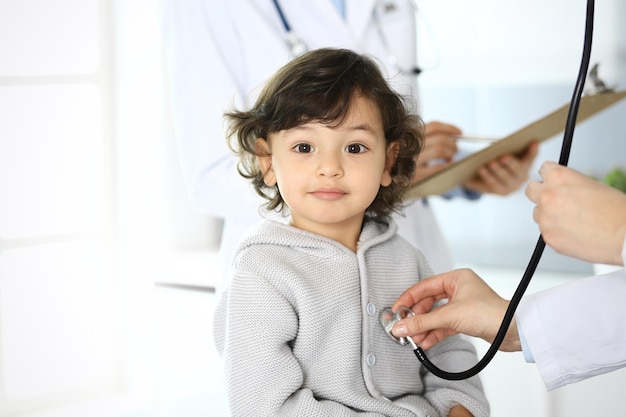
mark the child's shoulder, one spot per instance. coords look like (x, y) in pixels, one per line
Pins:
(273, 241)
(260, 235)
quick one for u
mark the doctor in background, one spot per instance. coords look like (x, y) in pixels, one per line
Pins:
(573, 331)
(220, 52)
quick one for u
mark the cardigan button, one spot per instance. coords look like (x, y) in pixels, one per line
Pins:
(371, 359)
(371, 309)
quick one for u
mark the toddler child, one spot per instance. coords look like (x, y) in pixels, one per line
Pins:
(329, 143)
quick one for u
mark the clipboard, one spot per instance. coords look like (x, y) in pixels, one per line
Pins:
(540, 130)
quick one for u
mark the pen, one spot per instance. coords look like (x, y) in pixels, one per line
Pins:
(476, 138)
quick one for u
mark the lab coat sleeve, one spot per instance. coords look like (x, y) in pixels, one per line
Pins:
(577, 330)
(463, 193)
(203, 84)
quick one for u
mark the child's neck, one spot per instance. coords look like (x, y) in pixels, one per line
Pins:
(347, 232)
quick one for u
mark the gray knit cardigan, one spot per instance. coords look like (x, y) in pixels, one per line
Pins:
(298, 330)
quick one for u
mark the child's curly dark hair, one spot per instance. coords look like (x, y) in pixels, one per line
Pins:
(319, 86)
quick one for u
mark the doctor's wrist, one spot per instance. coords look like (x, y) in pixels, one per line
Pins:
(512, 341)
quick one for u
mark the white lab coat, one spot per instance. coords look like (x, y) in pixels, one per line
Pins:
(220, 53)
(578, 330)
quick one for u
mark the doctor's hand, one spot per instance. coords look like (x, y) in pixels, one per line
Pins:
(438, 150)
(579, 216)
(473, 308)
(505, 174)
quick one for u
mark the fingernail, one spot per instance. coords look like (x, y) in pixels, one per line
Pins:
(399, 330)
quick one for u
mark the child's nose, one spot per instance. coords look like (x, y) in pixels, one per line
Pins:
(330, 166)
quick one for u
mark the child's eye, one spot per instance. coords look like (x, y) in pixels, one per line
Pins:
(356, 148)
(303, 148)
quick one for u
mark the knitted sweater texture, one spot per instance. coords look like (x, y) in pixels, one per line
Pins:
(299, 332)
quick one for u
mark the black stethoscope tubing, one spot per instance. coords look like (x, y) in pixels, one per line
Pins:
(536, 256)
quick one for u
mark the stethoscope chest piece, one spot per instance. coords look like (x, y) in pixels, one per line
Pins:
(388, 319)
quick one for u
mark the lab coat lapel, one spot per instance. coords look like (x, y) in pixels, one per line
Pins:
(319, 24)
(359, 14)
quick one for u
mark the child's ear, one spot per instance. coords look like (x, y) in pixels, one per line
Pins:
(392, 154)
(264, 159)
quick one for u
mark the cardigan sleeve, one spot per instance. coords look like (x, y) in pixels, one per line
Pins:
(455, 354)
(263, 378)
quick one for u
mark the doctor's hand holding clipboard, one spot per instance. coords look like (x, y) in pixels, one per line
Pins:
(501, 176)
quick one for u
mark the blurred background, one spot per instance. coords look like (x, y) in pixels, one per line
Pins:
(107, 272)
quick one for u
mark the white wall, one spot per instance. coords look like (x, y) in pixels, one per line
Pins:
(92, 212)
(59, 338)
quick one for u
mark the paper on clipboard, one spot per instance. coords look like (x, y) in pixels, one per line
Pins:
(540, 130)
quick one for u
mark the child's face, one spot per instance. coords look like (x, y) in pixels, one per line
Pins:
(329, 176)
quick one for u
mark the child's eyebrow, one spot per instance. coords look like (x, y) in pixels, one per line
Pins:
(363, 126)
(299, 128)
(366, 127)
